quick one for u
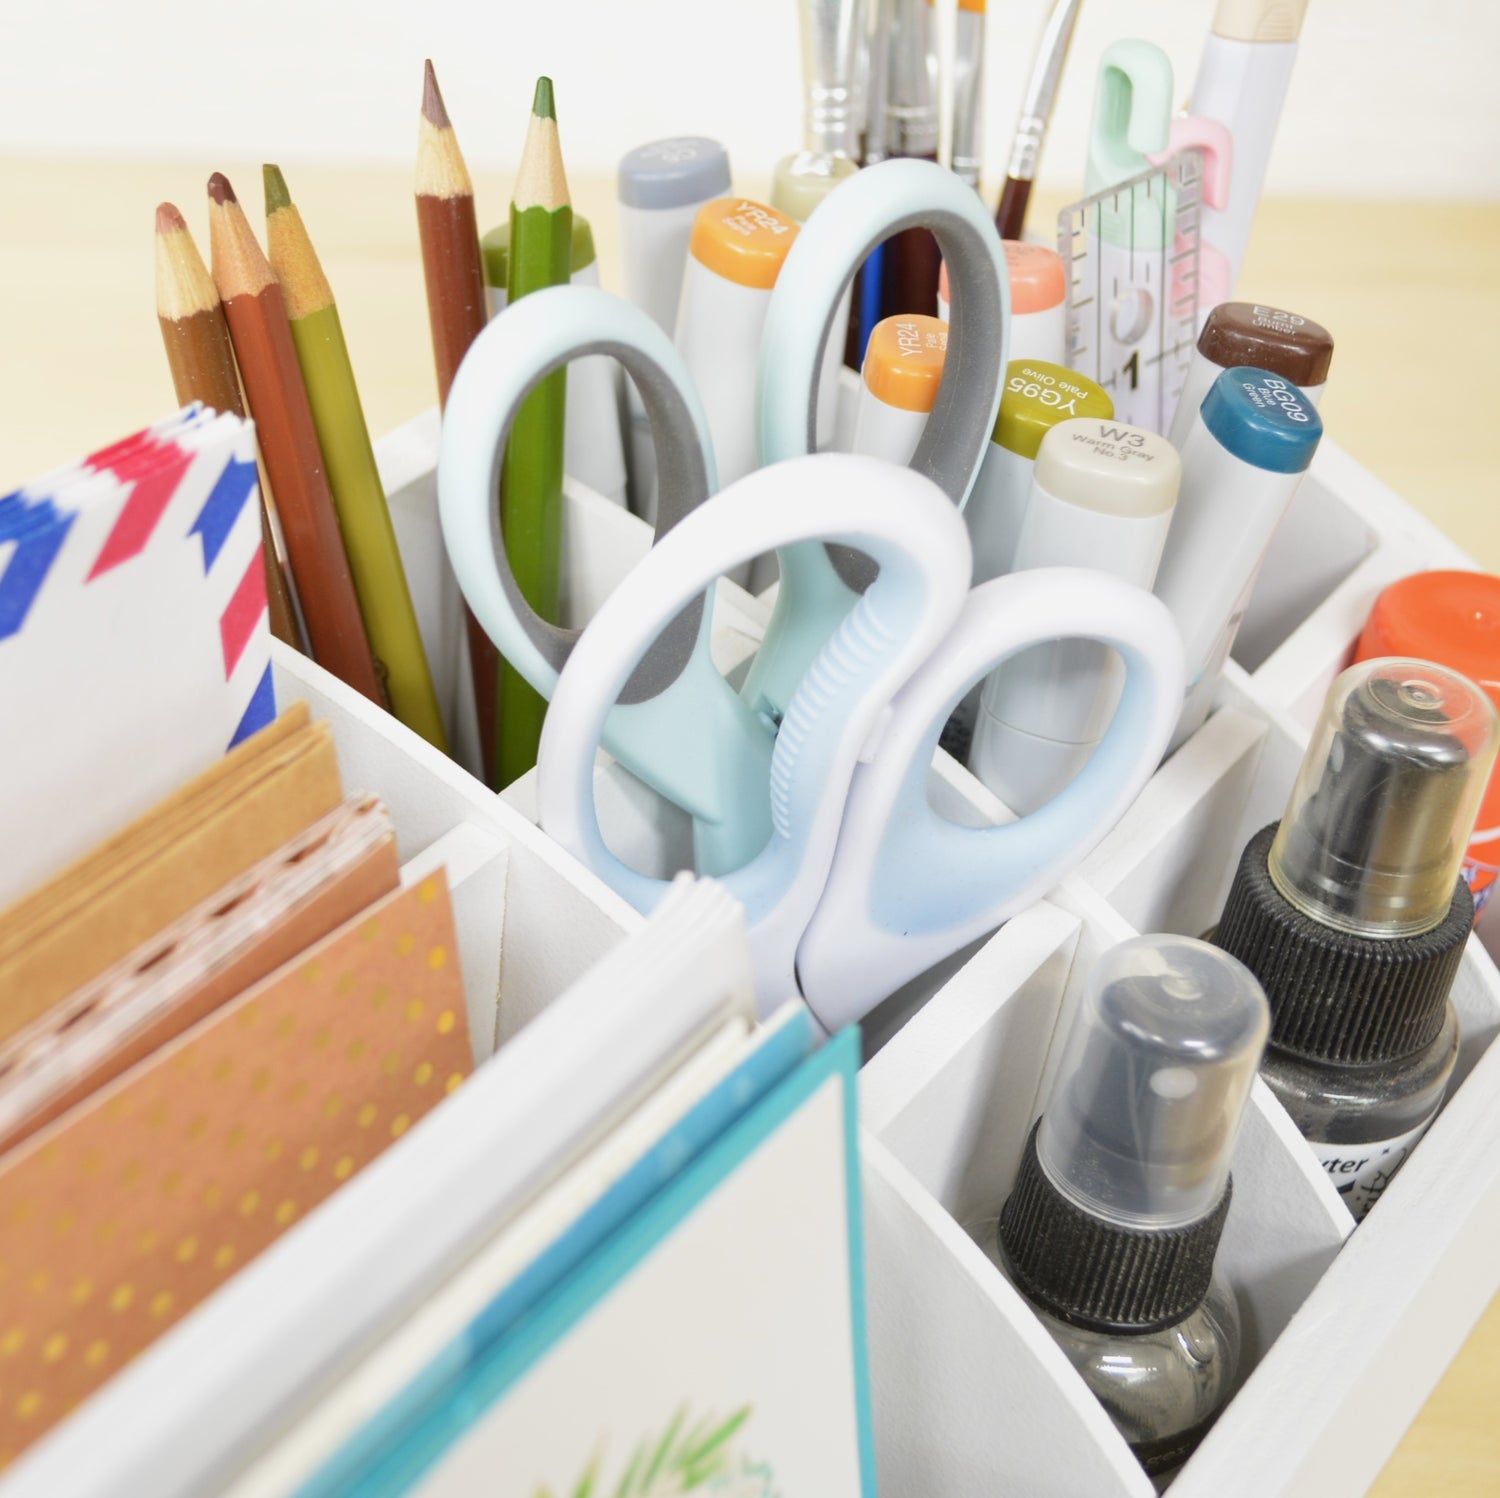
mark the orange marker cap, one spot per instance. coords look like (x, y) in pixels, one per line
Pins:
(1038, 279)
(904, 361)
(1452, 619)
(743, 241)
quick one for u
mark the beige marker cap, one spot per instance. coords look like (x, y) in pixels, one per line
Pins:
(1109, 467)
(803, 180)
(904, 361)
(743, 241)
(1259, 20)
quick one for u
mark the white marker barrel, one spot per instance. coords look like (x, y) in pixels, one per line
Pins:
(1101, 496)
(1242, 461)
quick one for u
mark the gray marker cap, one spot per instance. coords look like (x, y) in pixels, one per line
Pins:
(671, 173)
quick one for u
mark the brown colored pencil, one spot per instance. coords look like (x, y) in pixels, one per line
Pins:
(288, 442)
(458, 310)
(202, 364)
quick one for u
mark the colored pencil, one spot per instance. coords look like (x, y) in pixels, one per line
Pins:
(201, 359)
(541, 255)
(457, 311)
(289, 442)
(358, 495)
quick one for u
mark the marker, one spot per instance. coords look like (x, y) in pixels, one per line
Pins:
(1101, 496)
(1036, 110)
(1242, 82)
(1351, 912)
(798, 186)
(899, 383)
(1242, 461)
(735, 255)
(1452, 619)
(1038, 301)
(661, 187)
(593, 447)
(1036, 397)
(1246, 335)
(968, 90)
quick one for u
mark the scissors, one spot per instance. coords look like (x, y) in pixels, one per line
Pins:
(861, 885)
(676, 703)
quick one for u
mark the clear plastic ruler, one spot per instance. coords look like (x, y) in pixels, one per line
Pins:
(1131, 253)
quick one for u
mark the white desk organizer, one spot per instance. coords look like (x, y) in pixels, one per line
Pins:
(1344, 1338)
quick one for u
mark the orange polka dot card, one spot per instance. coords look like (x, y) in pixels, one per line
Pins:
(123, 1214)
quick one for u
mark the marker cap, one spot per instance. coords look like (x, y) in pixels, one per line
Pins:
(673, 173)
(904, 361)
(1038, 279)
(743, 241)
(801, 181)
(1037, 396)
(1262, 419)
(1385, 800)
(1282, 343)
(495, 249)
(1157, 1067)
(1108, 467)
(1259, 20)
(1452, 618)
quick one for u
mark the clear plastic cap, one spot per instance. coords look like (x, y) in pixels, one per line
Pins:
(1375, 831)
(1141, 1125)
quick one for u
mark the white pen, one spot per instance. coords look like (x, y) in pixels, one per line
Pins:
(1242, 82)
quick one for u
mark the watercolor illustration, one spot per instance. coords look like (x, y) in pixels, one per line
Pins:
(700, 1457)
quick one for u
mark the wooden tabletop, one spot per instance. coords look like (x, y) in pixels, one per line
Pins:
(1405, 288)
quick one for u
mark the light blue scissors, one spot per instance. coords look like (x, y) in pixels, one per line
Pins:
(679, 727)
(862, 885)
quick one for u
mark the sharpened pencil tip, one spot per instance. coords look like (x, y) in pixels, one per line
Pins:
(220, 190)
(277, 195)
(432, 100)
(168, 219)
(542, 104)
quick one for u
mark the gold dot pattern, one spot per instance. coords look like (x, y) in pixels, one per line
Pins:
(124, 1213)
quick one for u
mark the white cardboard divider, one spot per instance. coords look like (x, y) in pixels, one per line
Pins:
(531, 919)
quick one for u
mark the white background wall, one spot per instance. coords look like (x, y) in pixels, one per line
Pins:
(1390, 96)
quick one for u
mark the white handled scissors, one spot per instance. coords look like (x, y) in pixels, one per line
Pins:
(861, 885)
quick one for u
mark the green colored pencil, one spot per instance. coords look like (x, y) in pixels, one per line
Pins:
(541, 239)
(358, 496)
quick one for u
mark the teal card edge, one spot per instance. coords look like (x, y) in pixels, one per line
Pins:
(541, 1327)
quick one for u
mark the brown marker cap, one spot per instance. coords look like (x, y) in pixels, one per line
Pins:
(1282, 343)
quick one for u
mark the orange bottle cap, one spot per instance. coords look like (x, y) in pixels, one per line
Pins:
(1038, 279)
(743, 241)
(904, 361)
(1452, 619)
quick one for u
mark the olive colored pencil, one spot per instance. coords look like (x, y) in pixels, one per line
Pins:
(289, 442)
(457, 310)
(358, 495)
(541, 255)
(202, 364)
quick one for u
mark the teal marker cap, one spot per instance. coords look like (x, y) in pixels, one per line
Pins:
(1263, 420)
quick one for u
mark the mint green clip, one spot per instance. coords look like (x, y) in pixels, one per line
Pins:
(1132, 120)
